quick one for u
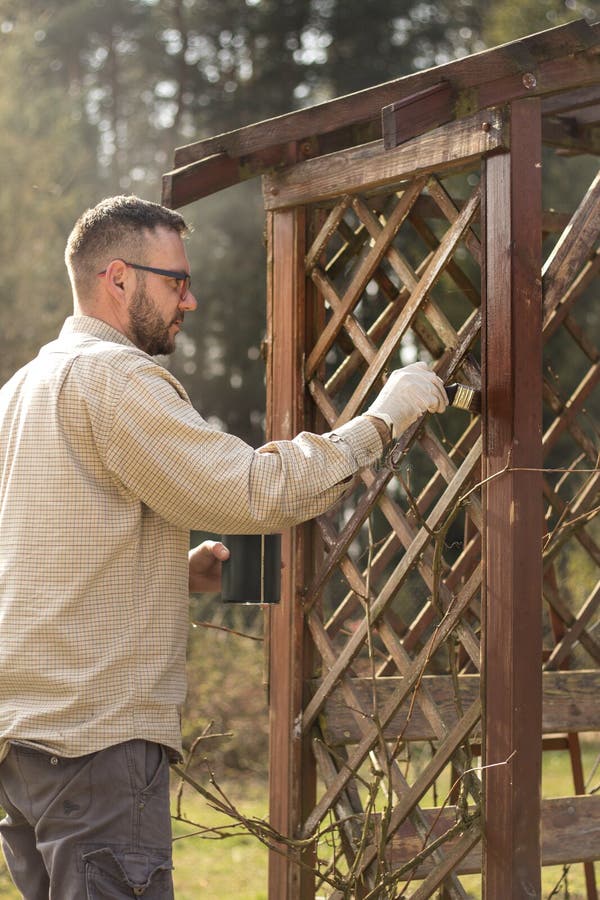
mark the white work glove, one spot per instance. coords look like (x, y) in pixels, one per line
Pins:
(406, 395)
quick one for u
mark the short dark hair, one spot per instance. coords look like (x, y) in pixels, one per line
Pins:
(116, 228)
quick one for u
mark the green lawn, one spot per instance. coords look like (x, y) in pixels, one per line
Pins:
(231, 869)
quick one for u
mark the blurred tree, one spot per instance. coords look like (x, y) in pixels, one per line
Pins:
(47, 176)
(507, 20)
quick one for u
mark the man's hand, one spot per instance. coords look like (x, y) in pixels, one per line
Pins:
(406, 395)
(205, 566)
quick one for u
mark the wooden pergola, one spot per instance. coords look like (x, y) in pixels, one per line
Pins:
(430, 641)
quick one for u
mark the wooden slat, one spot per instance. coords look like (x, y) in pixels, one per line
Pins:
(569, 101)
(371, 166)
(460, 849)
(573, 135)
(199, 179)
(565, 615)
(565, 645)
(326, 232)
(513, 509)
(572, 407)
(557, 406)
(573, 248)
(416, 114)
(570, 834)
(581, 282)
(570, 704)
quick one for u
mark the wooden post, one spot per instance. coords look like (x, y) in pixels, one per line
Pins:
(512, 643)
(291, 787)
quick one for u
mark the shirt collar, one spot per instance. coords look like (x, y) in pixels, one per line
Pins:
(95, 327)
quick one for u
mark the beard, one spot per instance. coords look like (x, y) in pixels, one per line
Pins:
(148, 328)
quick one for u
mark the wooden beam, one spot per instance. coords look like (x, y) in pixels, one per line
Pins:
(570, 704)
(516, 58)
(512, 620)
(291, 785)
(199, 179)
(571, 136)
(370, 167)
(568, 102)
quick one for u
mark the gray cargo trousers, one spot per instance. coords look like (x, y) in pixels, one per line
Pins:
(93, 827)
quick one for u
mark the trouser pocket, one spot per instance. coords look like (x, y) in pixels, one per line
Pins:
(132, 874)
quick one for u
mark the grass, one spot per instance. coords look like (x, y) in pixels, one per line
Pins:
(231, 869)
(236, 868)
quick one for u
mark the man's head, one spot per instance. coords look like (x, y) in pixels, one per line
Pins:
(128, 267)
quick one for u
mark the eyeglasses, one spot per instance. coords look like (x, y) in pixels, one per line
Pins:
(183, 279)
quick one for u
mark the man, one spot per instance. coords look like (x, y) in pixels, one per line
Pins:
(104, 469)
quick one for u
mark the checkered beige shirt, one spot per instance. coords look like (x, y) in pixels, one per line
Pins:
(104, 468)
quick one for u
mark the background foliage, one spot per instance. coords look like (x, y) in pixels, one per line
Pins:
(94, 97)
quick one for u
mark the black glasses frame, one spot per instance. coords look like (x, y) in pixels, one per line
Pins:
(180, 276)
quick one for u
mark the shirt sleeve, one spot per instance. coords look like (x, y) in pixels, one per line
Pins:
(197, 477)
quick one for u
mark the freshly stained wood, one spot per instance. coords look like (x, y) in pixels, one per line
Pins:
(513, 508)
(371, 166)
(289, 789)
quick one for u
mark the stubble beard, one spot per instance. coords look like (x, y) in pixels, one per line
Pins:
(148, 328)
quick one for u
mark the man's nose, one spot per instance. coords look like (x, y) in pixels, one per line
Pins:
(189, 302)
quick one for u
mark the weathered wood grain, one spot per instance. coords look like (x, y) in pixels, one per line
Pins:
(416, 114)
(369, 167)
(570, 834)
(570, 704)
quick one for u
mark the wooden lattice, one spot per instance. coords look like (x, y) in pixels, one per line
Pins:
(391, 580)
(398, 275)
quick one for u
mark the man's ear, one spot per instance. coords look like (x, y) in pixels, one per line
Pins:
(117, 278)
